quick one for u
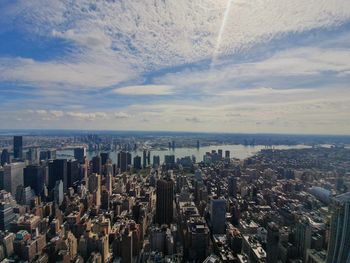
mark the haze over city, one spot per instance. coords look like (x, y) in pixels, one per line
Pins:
(214, 65)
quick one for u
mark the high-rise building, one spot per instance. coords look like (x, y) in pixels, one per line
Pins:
(217, 216)
(156, 160)
(303, 236)
(18, 147)
(73, 172)
(79, 154)
(58, 171)
(13, 176)
(6, 210)
(1, 177)
(137, 162)
(227, 154)
(232, 186)
(165, 200)
(104, 158)
(5, 157)
(33, 155)
(24, 195)
(124, 160)
(34, 176)
(339, 242)
(58, 192)
(144, 158)
(96, 164)
(48, 155)
(169, 161)
(95, 187)
(220, 153)
(272, 243)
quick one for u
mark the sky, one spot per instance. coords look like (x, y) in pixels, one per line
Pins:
(262, 66)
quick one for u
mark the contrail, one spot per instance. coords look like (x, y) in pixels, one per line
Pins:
(221, 32)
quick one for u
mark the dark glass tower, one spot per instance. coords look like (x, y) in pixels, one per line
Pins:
(124, 160)
(34, 176)
(165, 200)
(58, 171)
(5, 157)
(73, 172)
(18, 147)
(96, 164)
(79, 154)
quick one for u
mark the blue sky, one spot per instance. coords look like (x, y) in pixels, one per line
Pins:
(191, 65)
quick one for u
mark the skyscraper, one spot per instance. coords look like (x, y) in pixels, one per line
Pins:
(217, 216)
(5, 157)
(79, 154)
(144, 158)
(339, 242)
(34, 176)
(104, 158)
(6, 210)
(156, 160)
(137, 162)
(96, 164)
(58, 171)
(73, 172)
(165, 199)
(13, 176)
(124, 160)
(18, 147)
(272, 243)
(232, 186)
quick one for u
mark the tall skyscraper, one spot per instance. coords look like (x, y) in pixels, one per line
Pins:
(34, 176)
(79, 154)
(96, 164)
(13, 176)
(156, 160)
(137, 162)
(217, 216)
(47, 155)
(144, 158)
(272, 243)
(5, 157)
(227, 154)
(58, 171)
(18, 147)
(6, 210)
(104, 158)
(73, 172)
(33, 155)
(165, 200)
(124, 160)
(232, 186)
(339, 242)
(95, 187)
(220, 153)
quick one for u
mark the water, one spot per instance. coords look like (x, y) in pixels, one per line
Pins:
(236, 151)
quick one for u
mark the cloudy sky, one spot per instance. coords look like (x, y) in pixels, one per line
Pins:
(277, 66)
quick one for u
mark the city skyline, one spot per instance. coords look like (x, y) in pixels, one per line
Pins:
(213, 66)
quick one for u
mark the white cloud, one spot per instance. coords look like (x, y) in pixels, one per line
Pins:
(84, 73)
(263, 92)
(121, 115)
(89, 116)
(145, 90)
